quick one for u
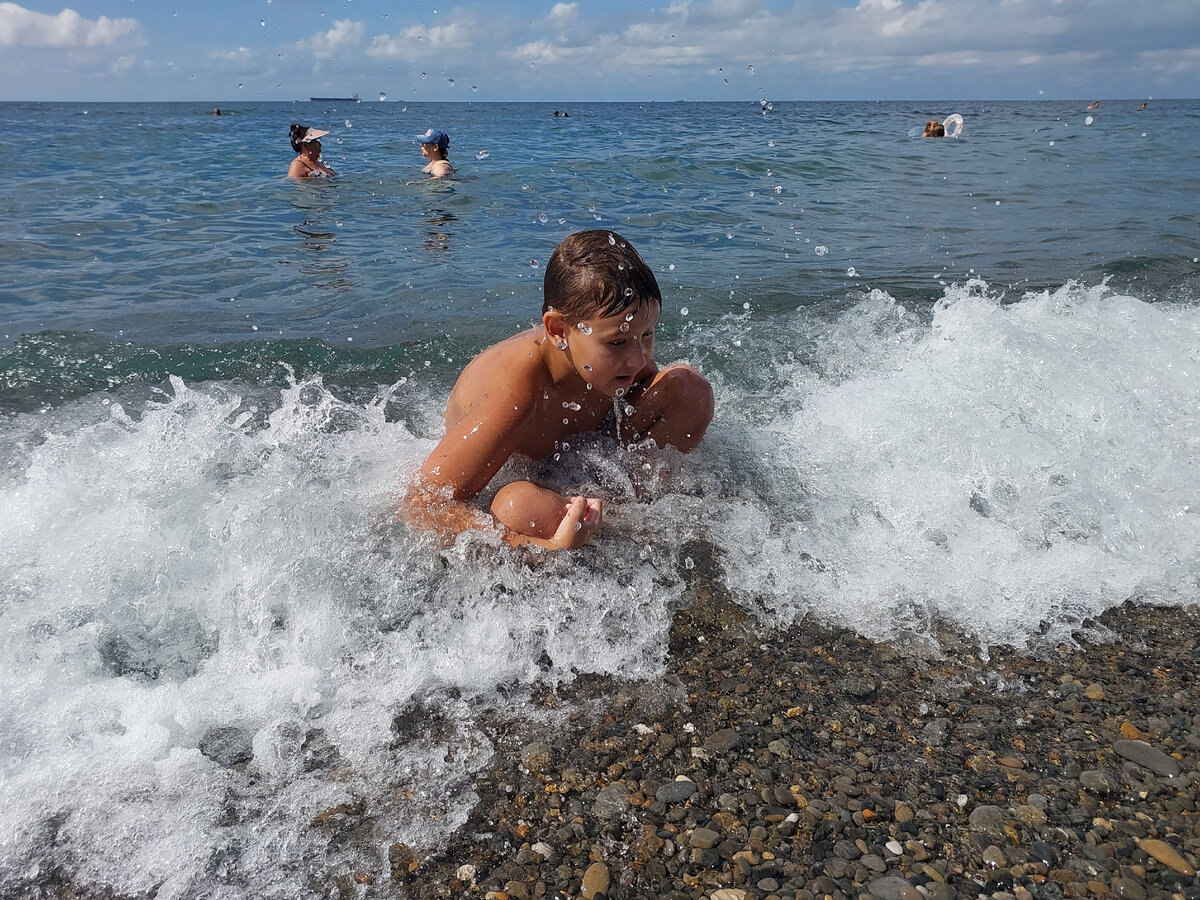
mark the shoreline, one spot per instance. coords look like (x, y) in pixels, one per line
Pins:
(809, 762)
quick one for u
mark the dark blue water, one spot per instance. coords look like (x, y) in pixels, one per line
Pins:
(957, 387)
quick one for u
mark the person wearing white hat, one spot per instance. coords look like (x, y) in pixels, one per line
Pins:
(307, 144)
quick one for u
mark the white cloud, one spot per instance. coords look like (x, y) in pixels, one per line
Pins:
(563, 14)
(20, 27)
(344, 33)
(240, 57)
(417, 41)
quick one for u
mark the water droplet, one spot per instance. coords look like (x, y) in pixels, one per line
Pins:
(239, 85)
(566, 421)
(423, 76)
(524, 187)
(483, 154)
(382, 96)
(262, 22)
(531, 65)
(628, 293)
(1052, 143)
(450, 81)
(1088, 120)
(611, 240)
(820, 249)
(689, 563)
(620, 392)
(852, 272)
(474, 89)
(671, 267)
(746, 305)
(543, 218)
(533, 264)
(750, 69)
(583, 328)
(624, 327)
(587, 368)
(997, 202)
(562, 221)
(348, 125)
(683, 310)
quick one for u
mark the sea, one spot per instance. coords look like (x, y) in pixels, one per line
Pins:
(957, 385)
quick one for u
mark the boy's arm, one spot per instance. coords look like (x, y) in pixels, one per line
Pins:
(465, 461)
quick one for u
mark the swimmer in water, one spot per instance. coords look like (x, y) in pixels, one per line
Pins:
(527, 395)
(307, 144)
(435, 147)
(1095, 105)
(934, 128)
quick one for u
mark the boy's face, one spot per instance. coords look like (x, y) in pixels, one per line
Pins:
(609, 353)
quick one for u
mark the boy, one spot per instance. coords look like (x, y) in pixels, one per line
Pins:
(435, 147)
(528, 393)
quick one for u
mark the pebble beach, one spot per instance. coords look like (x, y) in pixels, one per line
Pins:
(812, 763)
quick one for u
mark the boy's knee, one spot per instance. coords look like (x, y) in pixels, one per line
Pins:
(690, 390)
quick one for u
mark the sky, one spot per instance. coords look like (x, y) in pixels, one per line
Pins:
(541, 50)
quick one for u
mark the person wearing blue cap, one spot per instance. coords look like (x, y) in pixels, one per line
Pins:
(435, 146)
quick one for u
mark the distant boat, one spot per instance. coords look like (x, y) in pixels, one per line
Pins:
(353, 99)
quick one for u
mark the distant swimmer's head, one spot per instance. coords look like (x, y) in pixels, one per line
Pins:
(434, 142)
(597, 274)
(301, 135)
(932, 129)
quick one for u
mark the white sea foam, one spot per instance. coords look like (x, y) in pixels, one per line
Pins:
(211, 636)
(1010, 468)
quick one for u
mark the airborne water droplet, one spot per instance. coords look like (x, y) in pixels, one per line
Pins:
(543, 218)
(474, 88)
(450, 81)
(423, 75)
(683, 310)
(820, 249)
(382, 96)
(584, 328)
(533, 264)
(482, 154)
(750, 69)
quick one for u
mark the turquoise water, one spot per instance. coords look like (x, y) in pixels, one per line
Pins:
(957, 385)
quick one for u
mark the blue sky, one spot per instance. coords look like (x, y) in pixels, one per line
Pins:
(228, 50)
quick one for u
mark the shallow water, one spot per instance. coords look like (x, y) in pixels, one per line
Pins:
(214, 383)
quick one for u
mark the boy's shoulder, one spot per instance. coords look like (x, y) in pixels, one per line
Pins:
(513, 367)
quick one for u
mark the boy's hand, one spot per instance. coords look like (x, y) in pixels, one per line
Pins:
(583, 516)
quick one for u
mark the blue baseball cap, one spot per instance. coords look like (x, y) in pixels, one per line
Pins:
(433, 136)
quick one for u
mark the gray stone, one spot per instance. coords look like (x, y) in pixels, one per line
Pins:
(892, 887)
(722, 741)
(1129, 888)
(611, 802)
(704, 838)
(874, 863)
(227, 746)
(988, 818)
(675, 791)
(847, 850)
(1098, 781)
(1147, 757)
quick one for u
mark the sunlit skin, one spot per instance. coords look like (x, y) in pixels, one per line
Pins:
(308, 162)
(520, 396)
(439, 166)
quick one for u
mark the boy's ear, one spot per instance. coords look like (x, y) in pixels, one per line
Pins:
(555, 324)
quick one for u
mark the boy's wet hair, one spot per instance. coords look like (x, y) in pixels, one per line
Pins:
(597, 274)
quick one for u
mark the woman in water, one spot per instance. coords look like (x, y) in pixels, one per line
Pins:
(934, 128)
(307, 144)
